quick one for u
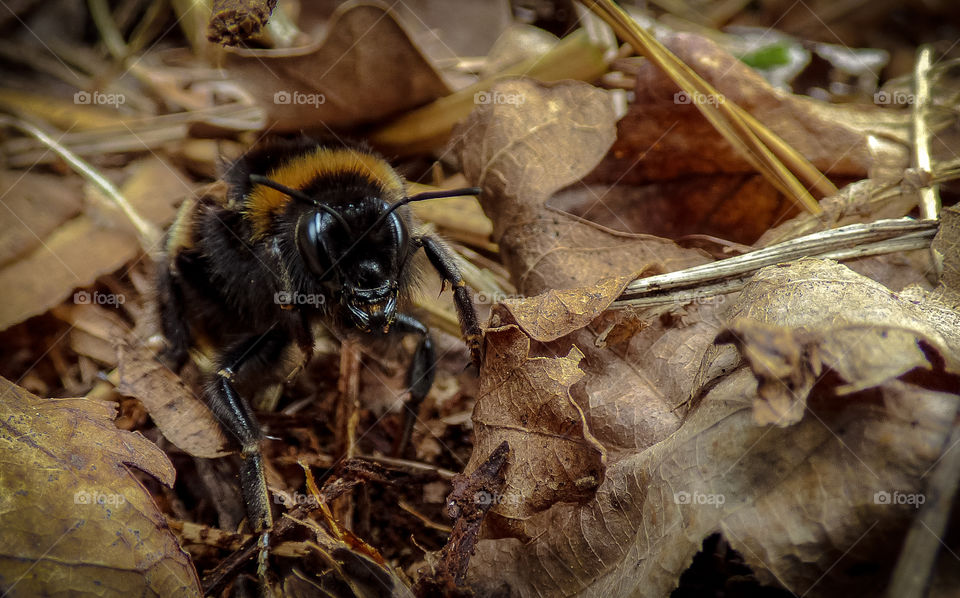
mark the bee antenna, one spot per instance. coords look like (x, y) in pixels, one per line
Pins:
(257, 179)
(423, 197)
(393, 207)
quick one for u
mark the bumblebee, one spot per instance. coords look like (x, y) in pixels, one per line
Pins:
(307, 236)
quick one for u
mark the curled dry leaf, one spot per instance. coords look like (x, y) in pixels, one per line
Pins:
(547, 374)
(449, 31)
(526, 401)
(838, 321)
(182, 417)
(791, 500)
(521, 154)
(73, 515)
(365, 70)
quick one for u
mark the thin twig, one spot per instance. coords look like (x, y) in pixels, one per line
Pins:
(415, 466)
(726, 276)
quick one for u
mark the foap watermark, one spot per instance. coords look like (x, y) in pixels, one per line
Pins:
(701, 299)
(895, 98)
(682, 97)
(289, 299)
(295, 499)
(98, 298)
(698, 498)
(485, 298)
(83, 497)
(297, 98)
(99, 99)
(896, 497)
(498, 97)
(484, 498)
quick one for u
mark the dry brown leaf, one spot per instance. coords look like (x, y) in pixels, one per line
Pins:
(553, 314)
(839, 321)
(674, 175)
(74, 517)
(748, 206)
(183, 418)
(81, 249)
(842, 482)
(94, 330)
(37, 204)
(534, 392)
(523, 152)
(947, 251)
(526, 401)
(676, 141)
(365, 70)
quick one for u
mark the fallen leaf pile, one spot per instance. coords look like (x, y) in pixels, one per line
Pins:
(820, 391)
(790, 434)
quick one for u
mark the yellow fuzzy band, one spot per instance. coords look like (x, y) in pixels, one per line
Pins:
(264, 203)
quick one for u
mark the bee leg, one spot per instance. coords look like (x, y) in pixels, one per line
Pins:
(445, 265)
(419, 376)
(242, 364)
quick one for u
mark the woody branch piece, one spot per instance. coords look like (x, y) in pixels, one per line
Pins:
(235, 21)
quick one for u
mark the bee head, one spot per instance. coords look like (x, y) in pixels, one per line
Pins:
(362, 246)
(365, 260)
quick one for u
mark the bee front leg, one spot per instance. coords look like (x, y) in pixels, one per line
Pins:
(419, 376)
(445, 265)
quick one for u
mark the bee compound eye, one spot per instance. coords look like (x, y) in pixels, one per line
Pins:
(312, 232)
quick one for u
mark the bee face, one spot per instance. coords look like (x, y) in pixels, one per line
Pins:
(365, 272)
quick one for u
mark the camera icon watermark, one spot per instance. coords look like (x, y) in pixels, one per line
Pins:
(99, 99)
(83, 497)
(896, 98)
(882, 497)
(98, 298)
(682, 97)
(697, 498)
(296, 98)
(497, 97)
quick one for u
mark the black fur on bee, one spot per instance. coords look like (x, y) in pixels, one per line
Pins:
(307, 235)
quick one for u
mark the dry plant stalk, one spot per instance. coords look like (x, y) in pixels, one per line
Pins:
(760, 146)
(729, 275)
